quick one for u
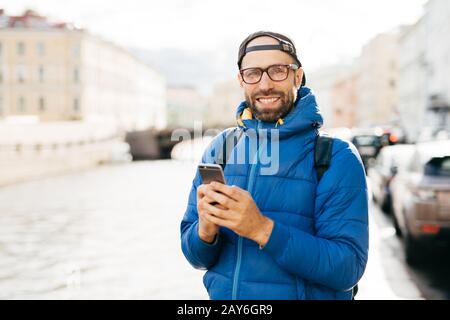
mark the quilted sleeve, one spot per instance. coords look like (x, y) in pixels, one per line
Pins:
(336, 255)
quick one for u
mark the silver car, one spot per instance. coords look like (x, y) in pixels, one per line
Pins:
(384, 170)
(421, 198)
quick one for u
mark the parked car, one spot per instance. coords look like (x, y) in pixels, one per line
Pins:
(421, 199)
(384, 170)
(368, 143)
(393, 136)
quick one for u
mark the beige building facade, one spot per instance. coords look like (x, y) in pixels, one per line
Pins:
(378, 99)
(186, 107)
(223, 104)
(344, 101)
(59, 73)
(322, 82)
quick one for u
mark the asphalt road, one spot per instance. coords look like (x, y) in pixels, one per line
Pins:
(431, 277)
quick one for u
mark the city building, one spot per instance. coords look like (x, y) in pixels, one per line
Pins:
(322, 81)
(437, 56)
(412, 82)
(224, 101)
(344, 100)
(378, 101)
(57, 72)
(185, 106)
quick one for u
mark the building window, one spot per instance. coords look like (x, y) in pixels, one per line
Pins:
(41, 74)
(76, 50)
(21, 74)
(21, 48)
(19, 24)
(41, 49)
(392, 83)
(76, 105)
(76, 75)
(21, 108)
(41, 104)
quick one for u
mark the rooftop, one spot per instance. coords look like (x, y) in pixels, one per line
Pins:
(30, 20)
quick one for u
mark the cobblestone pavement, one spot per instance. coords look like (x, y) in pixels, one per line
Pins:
(113, 233)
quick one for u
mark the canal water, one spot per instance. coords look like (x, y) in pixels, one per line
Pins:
(110, 232)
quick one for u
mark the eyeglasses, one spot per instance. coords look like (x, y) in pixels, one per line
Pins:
(277, 73)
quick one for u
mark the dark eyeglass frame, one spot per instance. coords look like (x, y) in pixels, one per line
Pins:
(291, 66)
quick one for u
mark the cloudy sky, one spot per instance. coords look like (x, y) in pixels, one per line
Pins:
(324, 30)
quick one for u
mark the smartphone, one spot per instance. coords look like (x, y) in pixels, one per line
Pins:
(211, 172)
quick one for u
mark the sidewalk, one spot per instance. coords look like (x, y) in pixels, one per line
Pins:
(377, 284)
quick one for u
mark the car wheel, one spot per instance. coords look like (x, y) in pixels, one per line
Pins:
(375, 200)
(413, 251)
(386, 205)
(398, 230)
(374, 197)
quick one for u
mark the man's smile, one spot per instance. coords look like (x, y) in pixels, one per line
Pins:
(267, 101)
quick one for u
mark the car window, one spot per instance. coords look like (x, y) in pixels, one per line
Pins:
(366, 140)
(438, 167)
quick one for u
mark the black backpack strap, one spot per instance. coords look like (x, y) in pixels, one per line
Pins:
(232, 137)
(323, 149)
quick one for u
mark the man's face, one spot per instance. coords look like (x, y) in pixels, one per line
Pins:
(270, 100)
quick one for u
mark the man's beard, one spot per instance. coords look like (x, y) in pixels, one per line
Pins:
(272, 115)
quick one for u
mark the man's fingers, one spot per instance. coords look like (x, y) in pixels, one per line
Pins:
(220, 198)
(208, 201)
(215, 211)
(201, 191)
(217, 221)
(233, 192)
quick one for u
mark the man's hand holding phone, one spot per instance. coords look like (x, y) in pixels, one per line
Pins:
(209, 173)
(207, 231)
(220, 205)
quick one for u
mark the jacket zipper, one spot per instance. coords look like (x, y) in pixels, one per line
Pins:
(250, 184)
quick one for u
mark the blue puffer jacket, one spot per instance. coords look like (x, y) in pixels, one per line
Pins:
(319, 245)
